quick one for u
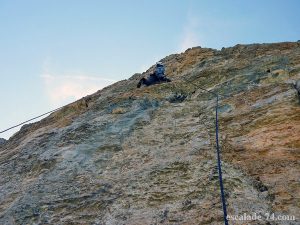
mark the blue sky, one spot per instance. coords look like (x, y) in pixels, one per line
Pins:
(53, 52)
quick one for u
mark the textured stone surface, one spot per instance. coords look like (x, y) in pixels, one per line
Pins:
(2, 141)
(147, 156)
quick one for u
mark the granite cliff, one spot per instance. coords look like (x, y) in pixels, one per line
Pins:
(147, 156)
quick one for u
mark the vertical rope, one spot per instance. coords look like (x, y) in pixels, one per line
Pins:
(219, 164)
(217, 148)
(223, 199)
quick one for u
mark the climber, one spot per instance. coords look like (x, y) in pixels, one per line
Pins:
(160, 71)
(157, 77)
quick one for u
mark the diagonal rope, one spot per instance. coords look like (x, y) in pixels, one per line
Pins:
(217, 145)
(30, 120)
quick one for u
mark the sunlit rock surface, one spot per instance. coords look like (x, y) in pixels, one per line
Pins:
(147, 156)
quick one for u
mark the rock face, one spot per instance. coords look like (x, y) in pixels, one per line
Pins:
(147, 156)
(2, 141)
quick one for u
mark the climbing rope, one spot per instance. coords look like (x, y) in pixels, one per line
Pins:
(30, 120)
(217, 146)
(223, 199)
(219, 165)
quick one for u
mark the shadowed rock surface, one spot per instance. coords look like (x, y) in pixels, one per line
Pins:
(2, 141)
(147, 156)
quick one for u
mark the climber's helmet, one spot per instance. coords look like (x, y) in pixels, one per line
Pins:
(160, 69)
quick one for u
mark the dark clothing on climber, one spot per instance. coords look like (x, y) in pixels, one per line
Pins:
(157, 77)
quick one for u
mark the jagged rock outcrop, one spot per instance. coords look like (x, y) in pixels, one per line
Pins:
(147, 156)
